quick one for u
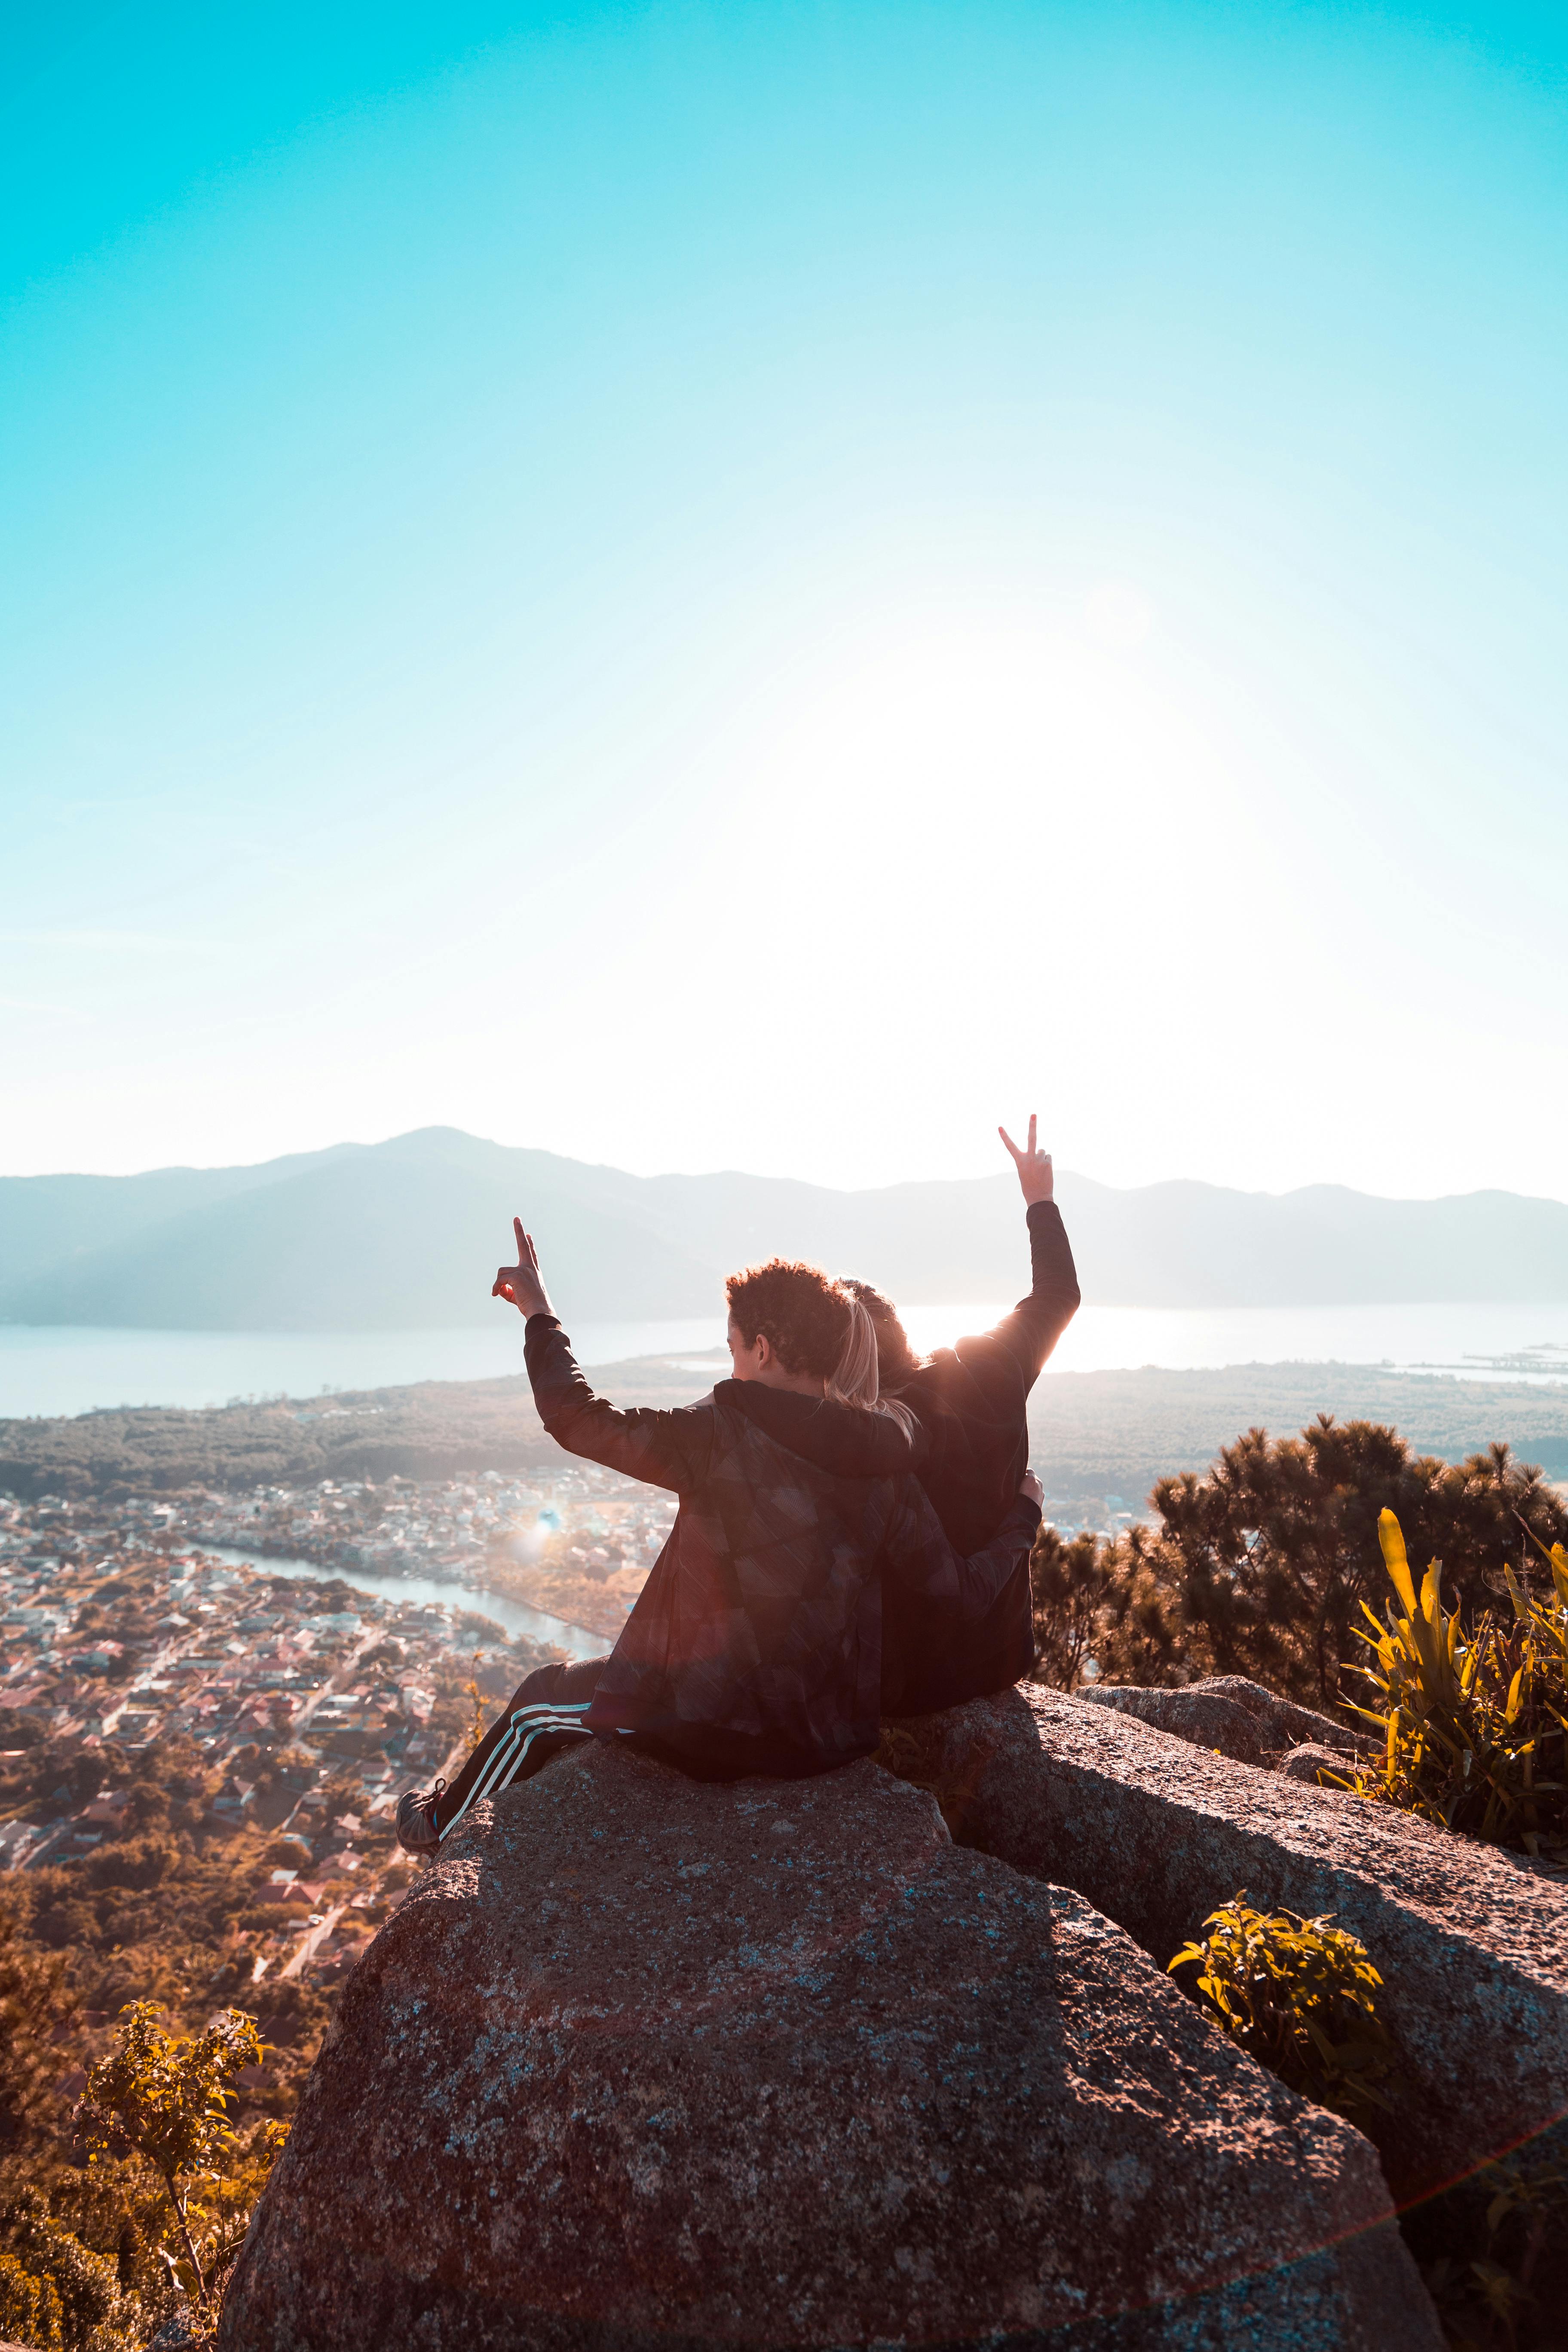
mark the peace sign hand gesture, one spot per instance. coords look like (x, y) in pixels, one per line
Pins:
(522, 1283)
(1034, 1167)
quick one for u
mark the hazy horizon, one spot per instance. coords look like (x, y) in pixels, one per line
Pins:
(283, 1243)
(765, 1175)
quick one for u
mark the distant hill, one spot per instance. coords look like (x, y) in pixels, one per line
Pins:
(407, 1233)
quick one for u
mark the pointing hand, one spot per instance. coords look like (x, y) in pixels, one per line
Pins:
(522, 1285)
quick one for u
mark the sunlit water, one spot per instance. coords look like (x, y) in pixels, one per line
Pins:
(67, 1370)
(1477, 1342)
(513, 1616)
(52, 1369)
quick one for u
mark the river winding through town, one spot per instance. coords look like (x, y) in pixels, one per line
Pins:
(513, 1616)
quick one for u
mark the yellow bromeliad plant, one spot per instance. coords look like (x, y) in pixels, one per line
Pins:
(1475, 1726)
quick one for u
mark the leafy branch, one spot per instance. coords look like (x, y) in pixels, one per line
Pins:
(167, 2099)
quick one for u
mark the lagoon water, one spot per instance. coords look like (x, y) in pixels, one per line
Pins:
(55, 1370)
(58, 1369)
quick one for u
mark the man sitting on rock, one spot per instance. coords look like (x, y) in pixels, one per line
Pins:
(756, 1643)
(971, 1405)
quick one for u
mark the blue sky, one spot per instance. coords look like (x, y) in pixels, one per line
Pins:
(764, 586)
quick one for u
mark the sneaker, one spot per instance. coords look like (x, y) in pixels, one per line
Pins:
(417, 1830)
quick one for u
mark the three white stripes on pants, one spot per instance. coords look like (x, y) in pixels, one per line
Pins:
(511, 1751)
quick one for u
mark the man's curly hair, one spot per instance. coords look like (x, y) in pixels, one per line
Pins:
(804, 1312)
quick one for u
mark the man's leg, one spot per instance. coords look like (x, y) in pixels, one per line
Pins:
(544, 1714)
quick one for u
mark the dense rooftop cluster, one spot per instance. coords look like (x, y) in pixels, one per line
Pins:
(126, 1630)
(285, 1709)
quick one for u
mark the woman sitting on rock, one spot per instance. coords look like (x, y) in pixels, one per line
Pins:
(970, 1408)
(756, 1643)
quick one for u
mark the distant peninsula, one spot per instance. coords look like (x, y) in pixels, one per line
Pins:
(1100, 1439)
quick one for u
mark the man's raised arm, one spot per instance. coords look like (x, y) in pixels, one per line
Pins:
(663, 1449)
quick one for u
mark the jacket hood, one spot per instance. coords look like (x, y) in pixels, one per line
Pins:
(838, 1438)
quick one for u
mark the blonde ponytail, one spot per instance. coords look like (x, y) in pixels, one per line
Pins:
(857, 1377)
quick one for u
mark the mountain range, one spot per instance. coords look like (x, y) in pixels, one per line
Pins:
(407, 1233)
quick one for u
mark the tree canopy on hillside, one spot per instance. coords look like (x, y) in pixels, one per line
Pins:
(1259, 1567)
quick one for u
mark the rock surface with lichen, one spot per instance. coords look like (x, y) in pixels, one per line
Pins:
(648, 2063)
(1157, 1832)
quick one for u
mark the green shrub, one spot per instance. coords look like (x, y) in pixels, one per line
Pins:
(92, 2311)
(1264, 1563)
(34, 2002)
(1475, 1727)
(166, 2099)
(1095, 1597)
(1299, 1996)
(1260, 1566)
(30, 2307)
(135, 1864)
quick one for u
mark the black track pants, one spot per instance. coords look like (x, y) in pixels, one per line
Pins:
(544, 1714)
